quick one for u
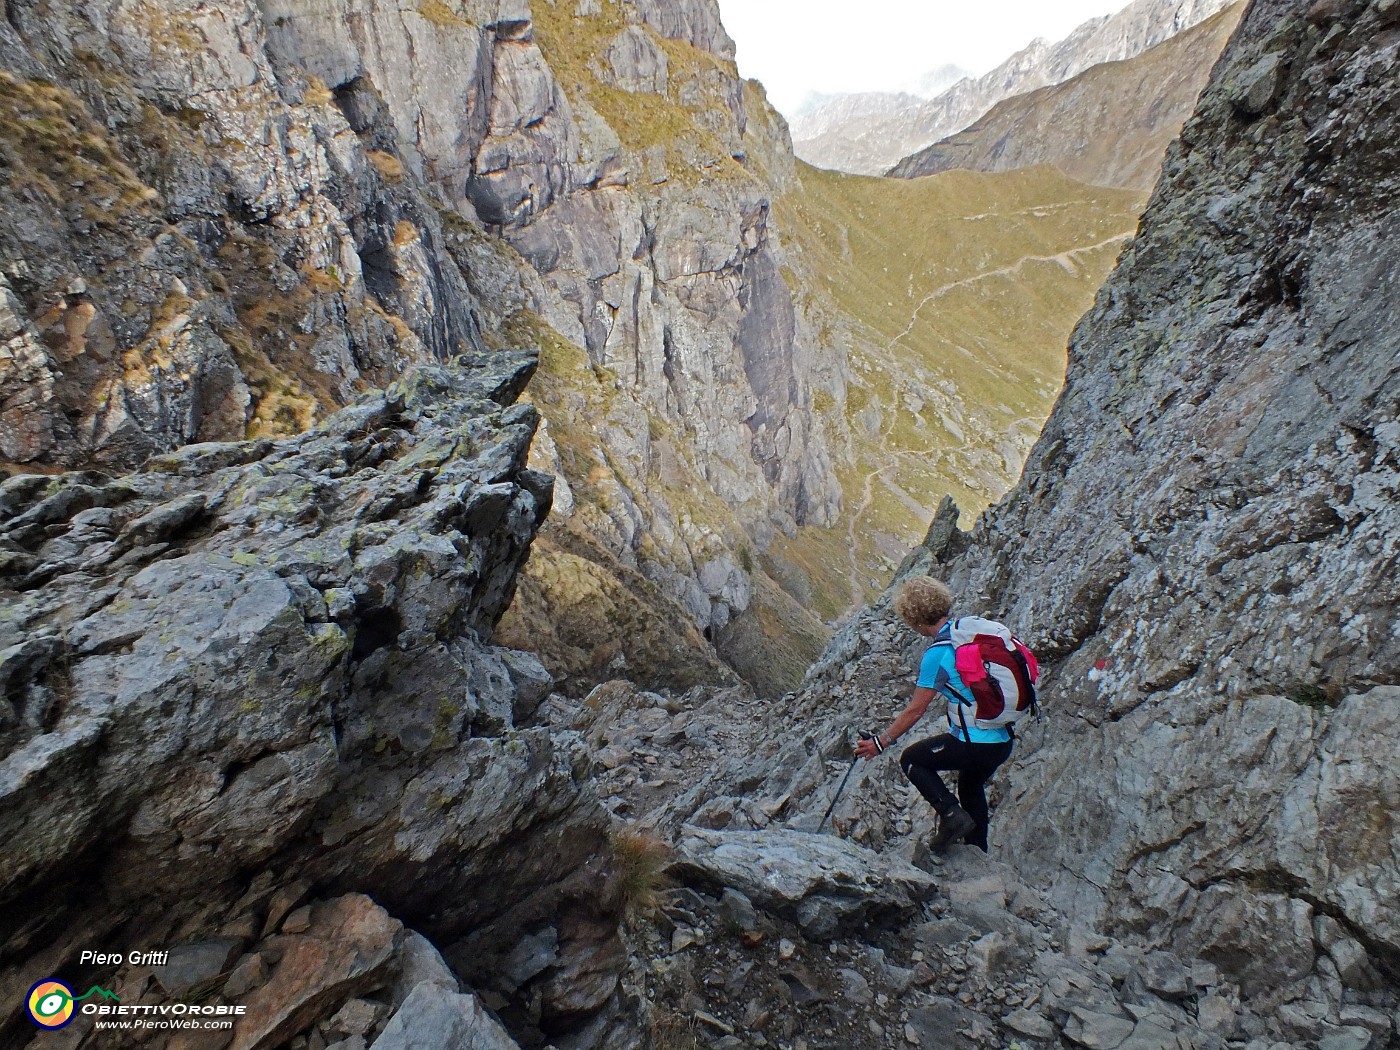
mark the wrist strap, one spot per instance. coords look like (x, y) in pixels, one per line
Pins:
(879, 747)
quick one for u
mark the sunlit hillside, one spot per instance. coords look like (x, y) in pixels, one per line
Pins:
(955, 296)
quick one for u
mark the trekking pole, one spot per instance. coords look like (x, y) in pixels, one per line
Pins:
(837, 797)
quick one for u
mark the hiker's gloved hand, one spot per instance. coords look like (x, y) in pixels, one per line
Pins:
(869, 745)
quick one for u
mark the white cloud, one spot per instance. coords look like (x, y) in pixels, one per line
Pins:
(800, 46)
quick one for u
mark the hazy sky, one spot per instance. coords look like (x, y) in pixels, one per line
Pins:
(799, 46)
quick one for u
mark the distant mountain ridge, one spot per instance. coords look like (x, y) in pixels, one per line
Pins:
(867, 140)
(1108, 126)
(926, 86)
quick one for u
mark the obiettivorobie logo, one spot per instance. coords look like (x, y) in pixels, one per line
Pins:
(51, 1003)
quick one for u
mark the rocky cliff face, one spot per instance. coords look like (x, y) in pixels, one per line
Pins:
(677, 290)
(832, 132)
(1201, 547)
(1216, 775)
(251, 668)
(231, 222)
(872, 147)
(1234, 607)
(203, 242)
(1238, 594)
(257, 672)
(1108, 126)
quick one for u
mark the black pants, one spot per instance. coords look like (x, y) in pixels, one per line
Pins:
(974, 764)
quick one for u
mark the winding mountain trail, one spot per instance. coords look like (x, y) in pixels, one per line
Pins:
(1069, 260)
(853, 578)
(1065, 258)
(858, 597)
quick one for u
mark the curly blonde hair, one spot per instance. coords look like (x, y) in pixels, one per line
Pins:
(923, 601)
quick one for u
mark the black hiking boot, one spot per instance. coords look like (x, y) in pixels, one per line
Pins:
(953, 826)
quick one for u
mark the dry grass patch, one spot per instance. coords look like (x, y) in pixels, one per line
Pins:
(669, 1030)
(388, 165)
(323, 282)
(641, 857)
(317, 94)
(49, 143)
(405, 233)
(574, 47)
(282, 404)
(440, 14)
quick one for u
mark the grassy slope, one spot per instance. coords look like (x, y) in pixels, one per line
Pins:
(955, 295)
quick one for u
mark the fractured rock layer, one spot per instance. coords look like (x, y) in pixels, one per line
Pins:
(273, 657)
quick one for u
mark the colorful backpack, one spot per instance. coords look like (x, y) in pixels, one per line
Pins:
(998, 670)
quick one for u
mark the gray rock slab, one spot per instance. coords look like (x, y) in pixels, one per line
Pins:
(1353, 1038)
(433, 1018)
(944, 1023)
(1150, 1036)
(1030, 1024)
(190, 965)
(826, 884)
(1097, 1031)
(420, 963)
(1165, 976)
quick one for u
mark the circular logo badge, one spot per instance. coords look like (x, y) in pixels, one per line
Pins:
(50, 1004)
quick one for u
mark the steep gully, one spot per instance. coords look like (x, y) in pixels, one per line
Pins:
(1213, 793)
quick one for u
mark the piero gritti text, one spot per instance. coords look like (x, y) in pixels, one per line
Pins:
(134, 958)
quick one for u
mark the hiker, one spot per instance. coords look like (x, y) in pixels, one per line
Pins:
(974, 746)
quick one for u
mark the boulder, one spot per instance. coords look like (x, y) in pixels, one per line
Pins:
(592, 959)
(1164, 975)
(827, 885)
(356, 1017)
(1097, 1031)
(191, 965)
(250, 973)
(1029, 1024)
(347, 949)
(292, 680)
(1348, 1039)
(1256, 88)
(945, 1023)
(433, 1016)
(1149, 1035)
(419, 963)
